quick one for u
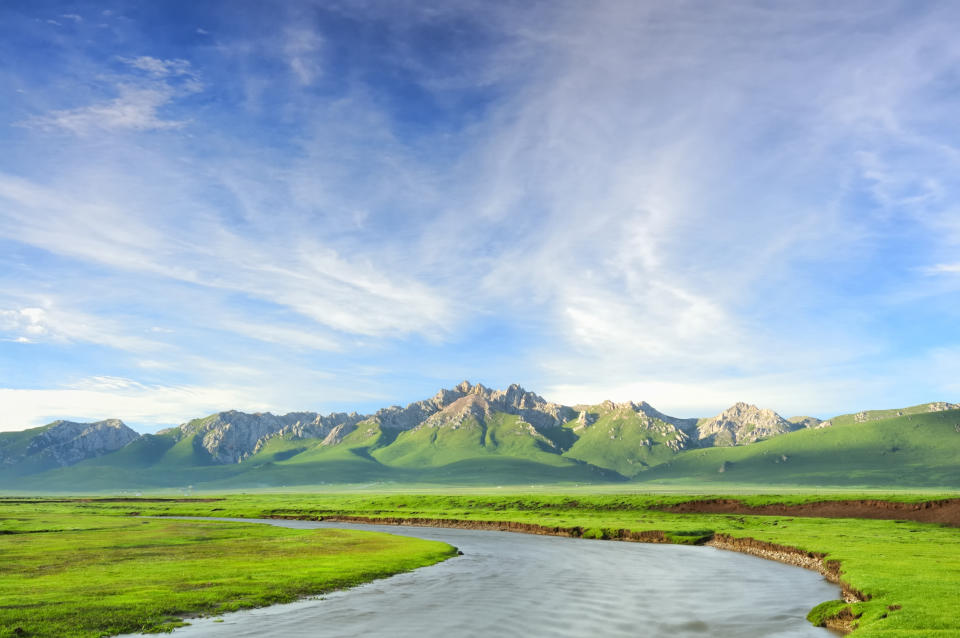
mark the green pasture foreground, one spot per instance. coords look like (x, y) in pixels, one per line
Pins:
(911, 571)
(67, 572)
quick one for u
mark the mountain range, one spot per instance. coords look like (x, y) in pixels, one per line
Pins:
(472, 434)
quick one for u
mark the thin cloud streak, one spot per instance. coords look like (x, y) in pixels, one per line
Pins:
(736, 197)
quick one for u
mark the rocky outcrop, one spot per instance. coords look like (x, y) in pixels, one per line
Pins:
(64, 443)
(452, 407)
(687, 426)
(867, 416)
(232, 436)
(806, 421)
(942, 406)
(740, 424)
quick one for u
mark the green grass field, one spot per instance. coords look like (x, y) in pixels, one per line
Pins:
(66, 572)
(910, 571)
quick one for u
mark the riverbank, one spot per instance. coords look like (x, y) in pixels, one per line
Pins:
(843, 620)
(78, 575)
(942, 511)
(906, 572)
(541, 585)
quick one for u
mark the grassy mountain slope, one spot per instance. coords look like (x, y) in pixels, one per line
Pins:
(500, 448)
(879, 415)
(922, 450)
(623, 440)
(469, 440)
(14, 460)
(497, 435)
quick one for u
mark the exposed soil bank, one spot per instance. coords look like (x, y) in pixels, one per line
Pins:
(654, 536)
(830, 569)
(792, 556)
(946, 511)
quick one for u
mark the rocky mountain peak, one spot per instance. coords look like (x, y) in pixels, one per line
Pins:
(232, 436)
(742, 423)
(68, 442)
(452, 406)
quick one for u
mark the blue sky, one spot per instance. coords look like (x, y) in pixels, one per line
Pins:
(343, 205)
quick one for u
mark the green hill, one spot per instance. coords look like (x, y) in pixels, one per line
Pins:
(879, 415)
(620, 438)
(920, 450)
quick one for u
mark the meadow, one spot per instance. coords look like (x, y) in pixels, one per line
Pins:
(65, 572)
(907, 572)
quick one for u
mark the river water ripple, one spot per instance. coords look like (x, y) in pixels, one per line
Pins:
(509, 584)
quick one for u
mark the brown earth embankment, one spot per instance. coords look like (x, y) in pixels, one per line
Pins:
(652, 536)
(944, 511)
(792, 556)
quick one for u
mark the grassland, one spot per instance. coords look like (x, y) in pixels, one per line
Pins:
(912, 567)
(908, 571)
(65, 571)
(913, 450)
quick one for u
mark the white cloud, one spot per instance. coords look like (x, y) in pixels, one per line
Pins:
(136, 109)
(288, 336)
(59, 325)
(664, 194)
(302, 48)
(150, 407)
(283, 265)
(159, 68)
(137, 106)
(945, 268)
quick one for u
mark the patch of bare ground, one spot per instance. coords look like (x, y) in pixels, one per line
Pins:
(652, 536)
(945, 511)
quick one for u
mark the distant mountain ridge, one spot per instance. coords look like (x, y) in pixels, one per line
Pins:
(232, 436)
(467, 431)
(63, 443)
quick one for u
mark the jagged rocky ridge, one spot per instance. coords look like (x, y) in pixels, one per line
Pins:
(232, 436)
(626, 437)
(64, 443)
(742, 423)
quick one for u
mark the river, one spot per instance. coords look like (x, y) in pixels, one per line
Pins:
(509, 584)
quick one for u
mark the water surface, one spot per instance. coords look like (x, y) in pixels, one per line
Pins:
(509, 584)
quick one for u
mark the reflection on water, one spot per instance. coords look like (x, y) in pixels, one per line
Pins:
(509, 584)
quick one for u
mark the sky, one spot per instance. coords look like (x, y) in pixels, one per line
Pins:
(338, 206)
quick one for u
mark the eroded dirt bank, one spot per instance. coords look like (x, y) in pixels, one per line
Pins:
(792, 556)
(945, 511)
(653, 536)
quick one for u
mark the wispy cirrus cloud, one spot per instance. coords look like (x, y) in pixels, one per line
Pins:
(944, 268)
(138, 105)
(52, 324)
(715, 202)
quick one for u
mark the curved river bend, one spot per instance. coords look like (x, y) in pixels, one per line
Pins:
(509, 584)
